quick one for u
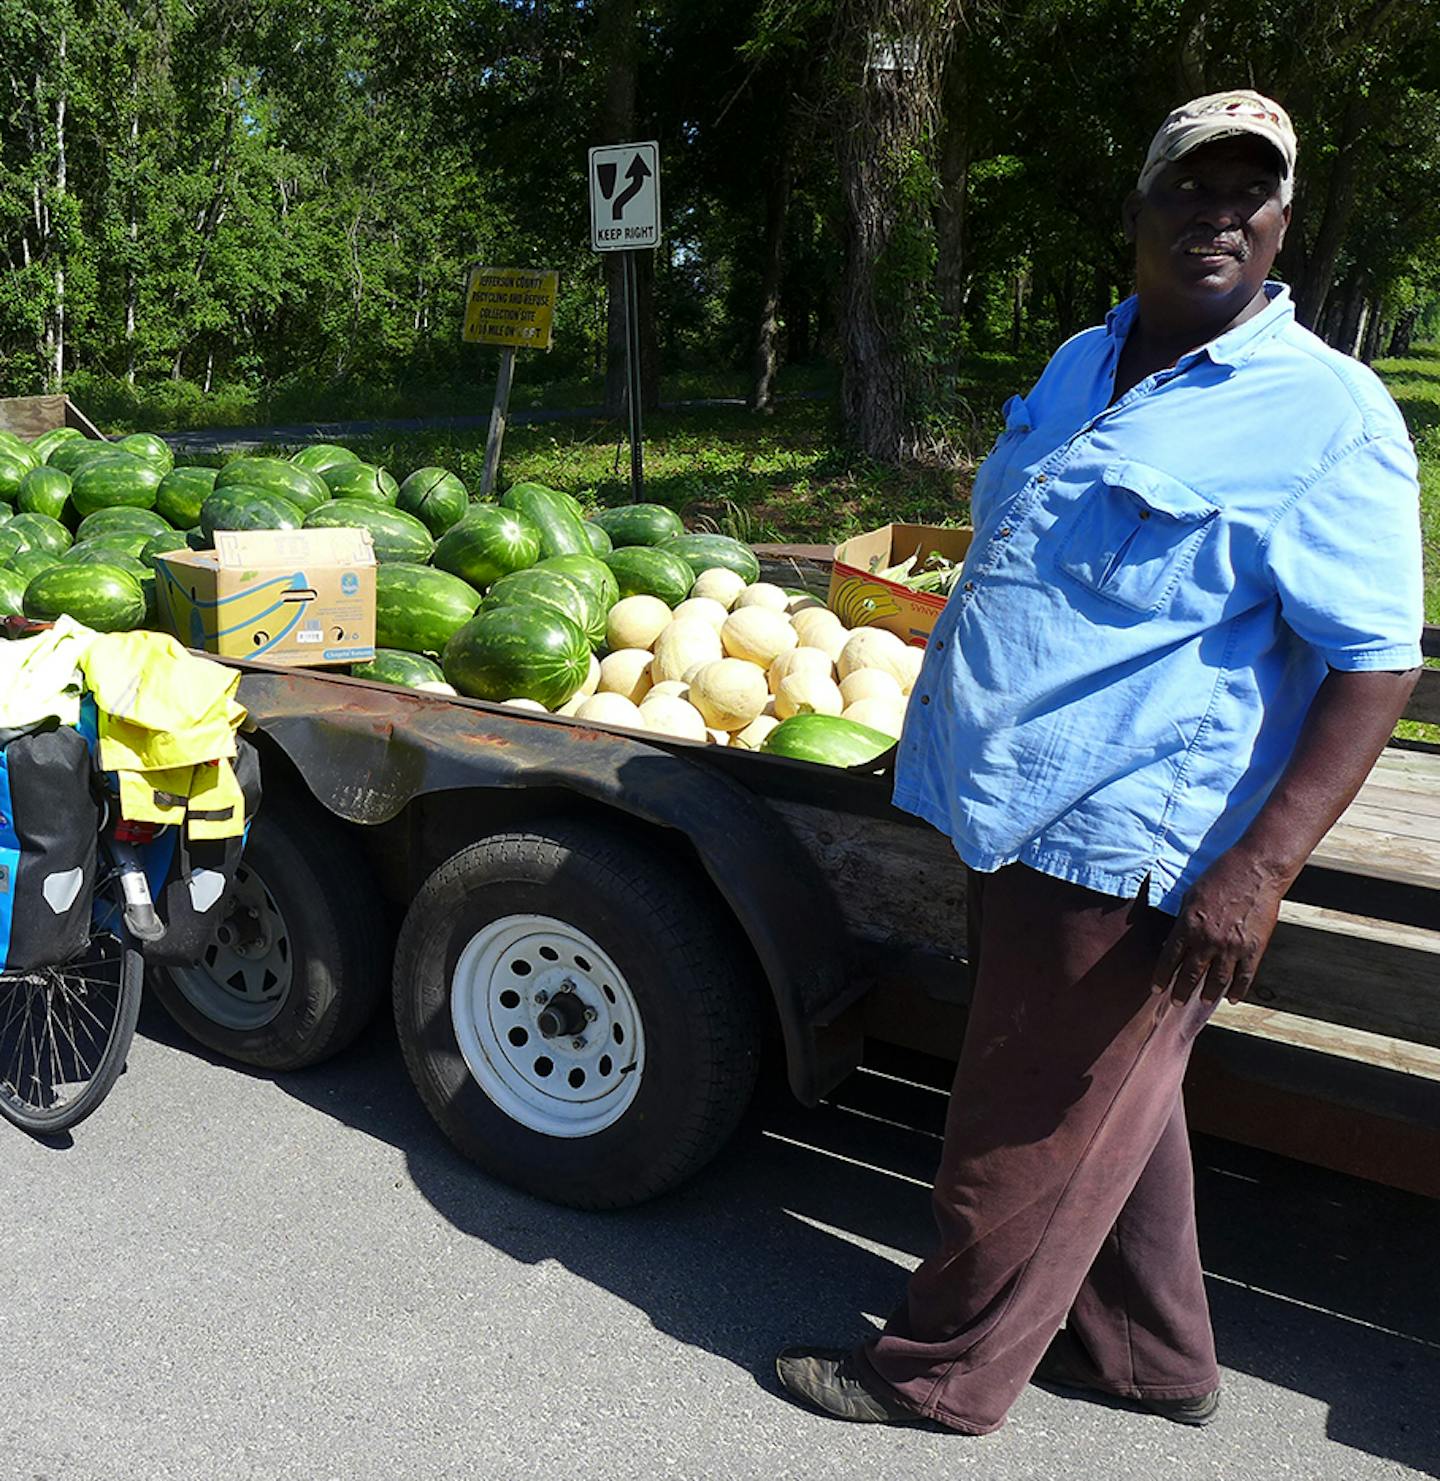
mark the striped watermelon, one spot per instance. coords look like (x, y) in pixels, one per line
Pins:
(122, 519)
(600, 542)
(29, 563)
(11, 544)
(829, 740)
(121, 545)
(646, 570)
(551, 589)
(158, 545)
(12, 593)
(706, 552)
(639, 524)
(562, 532)
(40, 532)
(518, 652)
(44, 490)
(13, 469)
(71, 455)
(396, 536)
(322, 455)
(395, 666)
(121, 478)
(43, 445)
(150, 447)
(417, 608)
(101, 596)
(487, 544)
(302, 487)
(361, 481)
(181, 493)
(434, 496)
(241, 508)
(588, 572)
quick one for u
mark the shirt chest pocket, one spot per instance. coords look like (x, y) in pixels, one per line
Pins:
(1135, 535)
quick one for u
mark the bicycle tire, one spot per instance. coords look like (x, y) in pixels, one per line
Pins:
(33, 1094)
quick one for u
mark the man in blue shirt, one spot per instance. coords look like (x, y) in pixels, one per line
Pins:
(1187, 624)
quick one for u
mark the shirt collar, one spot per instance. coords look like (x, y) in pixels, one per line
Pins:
(1230, 349)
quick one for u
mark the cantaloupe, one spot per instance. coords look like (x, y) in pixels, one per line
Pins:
(729, 693)
(869, 684)
(758, 635)
(751, 738)
(762, 594)
(706, 608)
(684, 643)
(526, 704)
(592, 679)
(626, 672)
(910, 667)
(666, 715)
(808, 694)
(719, 585)
(611, 709)
(635, 622)
(872, 648)
(800, 661)
(885, 715)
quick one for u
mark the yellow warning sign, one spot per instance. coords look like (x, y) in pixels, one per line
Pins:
(511, 306)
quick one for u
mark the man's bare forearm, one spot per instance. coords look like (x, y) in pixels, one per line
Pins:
(1349, 721)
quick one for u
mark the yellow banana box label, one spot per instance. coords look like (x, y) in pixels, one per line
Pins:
(863, 594)
(298, 597)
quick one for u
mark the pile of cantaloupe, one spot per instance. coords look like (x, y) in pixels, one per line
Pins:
(733, 660)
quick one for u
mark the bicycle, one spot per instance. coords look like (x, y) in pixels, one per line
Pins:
(65, 1030)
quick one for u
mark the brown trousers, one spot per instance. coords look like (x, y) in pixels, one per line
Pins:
(1065, 1193)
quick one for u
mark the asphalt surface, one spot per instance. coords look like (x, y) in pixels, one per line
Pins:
(248, 1276)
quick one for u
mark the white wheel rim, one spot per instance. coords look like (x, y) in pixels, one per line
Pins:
(569, 1083)
(243, 979)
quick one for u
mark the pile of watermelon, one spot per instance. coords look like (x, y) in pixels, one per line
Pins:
(621, 617)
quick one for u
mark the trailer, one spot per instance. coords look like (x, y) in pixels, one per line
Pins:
(593, 938)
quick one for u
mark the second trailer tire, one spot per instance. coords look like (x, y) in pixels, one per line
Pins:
(301, 963)
(575, 1014)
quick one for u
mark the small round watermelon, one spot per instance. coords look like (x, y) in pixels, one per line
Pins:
(304, 488)
(40, 532)
(649, 571)
(108, 482)
(242, 508)
(361, 481)
(639, 524)
(395, 666)
(518, 652)
(487, 544)
(320, 456)
(104, 597)
(181, 493)
(153, 449)
(434, 496)
(44, 490)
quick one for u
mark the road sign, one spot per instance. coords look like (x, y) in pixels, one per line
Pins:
(510, 306)
(625, 197)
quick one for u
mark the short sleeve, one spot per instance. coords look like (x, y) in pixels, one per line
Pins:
(1346, 559)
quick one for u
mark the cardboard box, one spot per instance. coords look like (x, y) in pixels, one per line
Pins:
(864, 600)
(302, 597)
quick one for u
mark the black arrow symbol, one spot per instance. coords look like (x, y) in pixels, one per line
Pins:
(637, 174)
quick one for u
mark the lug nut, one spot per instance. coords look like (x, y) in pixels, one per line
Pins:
(542, 996)
(590, 1015)
(577, 1043)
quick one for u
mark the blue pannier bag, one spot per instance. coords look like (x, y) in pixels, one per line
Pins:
(49, 828)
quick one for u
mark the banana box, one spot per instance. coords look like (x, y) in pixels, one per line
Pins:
(863, 598)
(299, 597)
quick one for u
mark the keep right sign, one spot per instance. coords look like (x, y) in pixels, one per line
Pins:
(625, 197)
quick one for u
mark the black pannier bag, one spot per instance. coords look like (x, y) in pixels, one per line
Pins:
(197, 888)
(49, 829)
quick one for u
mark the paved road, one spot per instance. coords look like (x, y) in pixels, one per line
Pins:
(242, 1276)
(296, 434)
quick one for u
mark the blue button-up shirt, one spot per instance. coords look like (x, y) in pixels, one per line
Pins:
(1152, 597)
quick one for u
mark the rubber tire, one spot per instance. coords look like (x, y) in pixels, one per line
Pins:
(338, 937)
(678, 952)
(112, 1059)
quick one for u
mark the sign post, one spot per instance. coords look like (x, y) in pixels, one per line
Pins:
(509, 307)
(625, 217)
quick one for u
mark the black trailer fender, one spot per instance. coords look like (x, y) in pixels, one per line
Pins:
(366, 751)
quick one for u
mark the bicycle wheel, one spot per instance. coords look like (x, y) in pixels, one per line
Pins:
(65, 1032)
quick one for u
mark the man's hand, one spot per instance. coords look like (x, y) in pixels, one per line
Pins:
(1225, 924)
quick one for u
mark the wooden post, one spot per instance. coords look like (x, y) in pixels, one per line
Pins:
(498, 413)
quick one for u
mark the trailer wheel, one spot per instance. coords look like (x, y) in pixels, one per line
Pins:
(575, 1014)
(299, 964)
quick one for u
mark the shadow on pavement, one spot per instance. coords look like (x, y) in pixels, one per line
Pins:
(806, 1225)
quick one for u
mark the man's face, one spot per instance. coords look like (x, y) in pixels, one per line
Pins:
(1207, 231)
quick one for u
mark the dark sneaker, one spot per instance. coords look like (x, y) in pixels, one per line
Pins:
(825, 1378)
(1064, 1366)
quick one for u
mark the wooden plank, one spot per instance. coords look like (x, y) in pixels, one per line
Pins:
(1328, 1038)
(1424, 704)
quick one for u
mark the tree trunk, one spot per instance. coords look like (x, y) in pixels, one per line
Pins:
(1347, 330)
(954, 186)
(1400, 335)
(767, 331)
(56, 337)
(1370, 341)
(1319, 271)
(1017, 312)
(615, 43)
(889, 55)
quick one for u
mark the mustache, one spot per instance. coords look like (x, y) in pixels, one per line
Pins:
(1235, 246)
